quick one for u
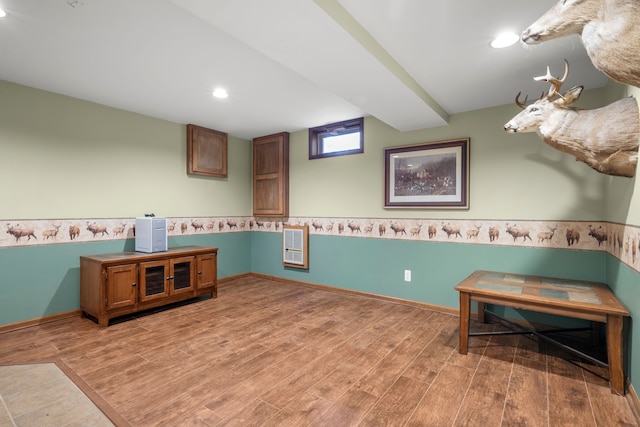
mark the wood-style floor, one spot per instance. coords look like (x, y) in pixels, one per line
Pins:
(277, 354)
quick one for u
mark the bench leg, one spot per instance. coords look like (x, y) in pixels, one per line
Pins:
(595, 333)
(481, 318)
(614, 352)
(465, 310)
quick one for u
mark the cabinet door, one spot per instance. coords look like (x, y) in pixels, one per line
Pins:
(271, 175)
(206, 151)
(121, 286)
(207, 268)
(181, 275)
(154, 276)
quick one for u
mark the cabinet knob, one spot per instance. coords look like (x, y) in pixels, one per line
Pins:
(199, 272)
(169, 277)
(134, 284)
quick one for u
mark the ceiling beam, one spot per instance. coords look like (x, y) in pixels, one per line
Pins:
(342, 17)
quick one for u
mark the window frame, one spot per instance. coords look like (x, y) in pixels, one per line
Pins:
(344, 127)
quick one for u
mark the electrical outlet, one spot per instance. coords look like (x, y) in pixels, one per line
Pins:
(407, 275)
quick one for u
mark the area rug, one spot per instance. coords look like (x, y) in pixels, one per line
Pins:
(50, 394)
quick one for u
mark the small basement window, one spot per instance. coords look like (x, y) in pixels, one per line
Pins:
(337, 139)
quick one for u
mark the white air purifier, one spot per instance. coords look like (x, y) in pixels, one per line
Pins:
(151, 234)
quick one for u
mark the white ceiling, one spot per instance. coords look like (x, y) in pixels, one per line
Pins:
(287, 64)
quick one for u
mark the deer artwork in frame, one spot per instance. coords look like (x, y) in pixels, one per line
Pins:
(609, 29)
(606, 138)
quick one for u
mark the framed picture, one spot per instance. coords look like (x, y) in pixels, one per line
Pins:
(428, 175)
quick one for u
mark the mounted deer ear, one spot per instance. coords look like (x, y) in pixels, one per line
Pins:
(570, 96)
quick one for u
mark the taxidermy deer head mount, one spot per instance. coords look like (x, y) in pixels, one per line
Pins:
(606, 138)
(610, 31)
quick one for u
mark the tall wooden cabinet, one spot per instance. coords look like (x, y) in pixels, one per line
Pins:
(271, 175)
(120, 283)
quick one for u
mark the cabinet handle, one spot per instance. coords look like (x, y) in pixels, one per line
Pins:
(169, 277)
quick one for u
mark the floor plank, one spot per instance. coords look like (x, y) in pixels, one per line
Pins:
(568, 397)
(484, 401)
(442, 401)
(527, 398)
(397, 404)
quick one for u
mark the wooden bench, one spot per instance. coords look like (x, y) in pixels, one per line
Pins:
(572, 298)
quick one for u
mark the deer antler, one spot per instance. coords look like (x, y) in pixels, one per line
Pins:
(556, 83)
(523, 104)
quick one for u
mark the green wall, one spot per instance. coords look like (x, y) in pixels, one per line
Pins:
(66, 158)
(376, 265)
(622, 202)
(625, 282)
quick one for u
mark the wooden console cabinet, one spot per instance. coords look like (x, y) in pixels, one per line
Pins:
(120, 283)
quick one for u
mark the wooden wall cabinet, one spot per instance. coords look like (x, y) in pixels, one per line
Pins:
(206, 152)
(271, 175)
(120, 283)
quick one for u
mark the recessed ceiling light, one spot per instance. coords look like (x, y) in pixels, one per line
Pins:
(505, 40)
(2, 13)
(220, 93)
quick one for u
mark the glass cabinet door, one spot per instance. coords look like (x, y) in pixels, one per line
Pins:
(181, 277)
(153, 280)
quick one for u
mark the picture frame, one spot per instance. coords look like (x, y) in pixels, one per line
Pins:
(428, 175)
